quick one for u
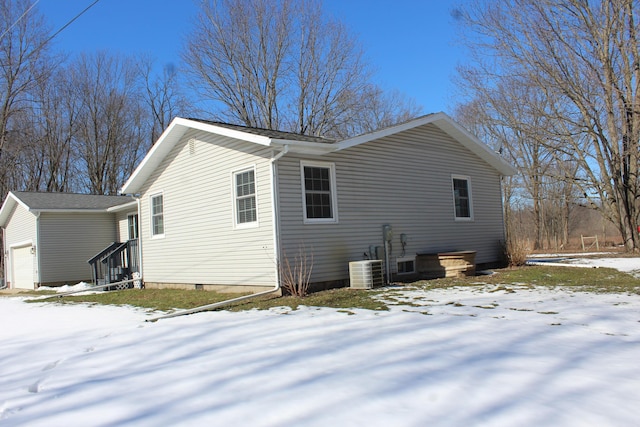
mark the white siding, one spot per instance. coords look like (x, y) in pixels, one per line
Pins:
(122, 221)
(68, 240)
(20, 231)
(403, 180)
(201, 245)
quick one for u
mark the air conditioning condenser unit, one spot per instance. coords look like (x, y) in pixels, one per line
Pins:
(366, 274)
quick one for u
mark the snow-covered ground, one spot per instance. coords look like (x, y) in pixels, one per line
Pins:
(485, 356)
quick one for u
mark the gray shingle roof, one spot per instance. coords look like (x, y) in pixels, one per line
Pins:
(67, 201)
(275, 134)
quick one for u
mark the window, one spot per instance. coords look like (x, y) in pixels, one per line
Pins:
(157, 215)
(406, 265)
(132, 221)
(462, 197)
(319, 197)
(245, 195)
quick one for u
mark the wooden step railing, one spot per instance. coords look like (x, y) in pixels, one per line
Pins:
(116, 262)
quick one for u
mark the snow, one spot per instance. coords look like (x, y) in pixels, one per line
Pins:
(629, 265)
(485, 355)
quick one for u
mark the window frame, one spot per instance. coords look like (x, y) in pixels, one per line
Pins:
(152, 215)
(236, 198)
(405, 260)
(467, 179)
(133, 219)
(333, 196)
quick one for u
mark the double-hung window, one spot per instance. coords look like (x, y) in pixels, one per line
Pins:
(462, 197)
(245, 197)
(319, 194)
(157, 215)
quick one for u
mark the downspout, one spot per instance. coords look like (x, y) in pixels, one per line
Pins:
(140, 266)
(275, 202)
(37, 248)
(276, 242)
(5, 259)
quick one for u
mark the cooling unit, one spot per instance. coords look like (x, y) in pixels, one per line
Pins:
(366, 274)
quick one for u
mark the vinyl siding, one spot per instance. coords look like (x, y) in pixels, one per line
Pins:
(21, 229)
(122, 228)
(201, 244)
(403, 180)
(122, 224)
(68, 240)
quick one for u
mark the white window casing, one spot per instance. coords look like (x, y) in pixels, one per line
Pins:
(462, 198)
(245, 198)
(405, 265)
(319, 193)
(156, 212)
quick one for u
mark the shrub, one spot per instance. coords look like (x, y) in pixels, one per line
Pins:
(516, 251)
(295, 275)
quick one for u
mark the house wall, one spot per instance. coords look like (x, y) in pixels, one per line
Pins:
(404, 180)
(20, 231)
(122, 224)
(68, 240)
(201, 245)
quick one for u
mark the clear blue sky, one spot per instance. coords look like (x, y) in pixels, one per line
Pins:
(410, 43)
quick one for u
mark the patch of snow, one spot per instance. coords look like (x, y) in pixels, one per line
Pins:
(628, 265)
(487, 355)
(66, 288)
(564, 255)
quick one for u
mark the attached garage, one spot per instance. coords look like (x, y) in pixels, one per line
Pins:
(22, 267)
(49, 237)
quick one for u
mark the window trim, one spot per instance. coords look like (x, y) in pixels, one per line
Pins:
(136, 224)
(334, 193)
(234, 196)
(470, 198)
(159, 235)
(403, 260)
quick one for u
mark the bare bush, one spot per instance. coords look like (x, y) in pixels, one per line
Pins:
(295, 275)
(516, 251)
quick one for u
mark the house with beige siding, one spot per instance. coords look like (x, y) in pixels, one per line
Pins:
(214, 205)
(49, 237)
(222, 205)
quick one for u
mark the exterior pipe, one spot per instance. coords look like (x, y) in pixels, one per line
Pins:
(215, 304)
(90, 288)
(5, 260)
(140, 266)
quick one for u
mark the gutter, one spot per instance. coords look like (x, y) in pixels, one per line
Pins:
(276, 242)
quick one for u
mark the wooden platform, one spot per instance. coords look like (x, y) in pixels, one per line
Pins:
(446, 264)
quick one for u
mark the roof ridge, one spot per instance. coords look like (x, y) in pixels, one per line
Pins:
(265, 131)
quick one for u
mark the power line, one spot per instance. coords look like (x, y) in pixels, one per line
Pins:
(54, 34)
(68, 23)
(18, 20)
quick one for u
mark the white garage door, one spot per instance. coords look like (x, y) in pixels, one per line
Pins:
(22, 272)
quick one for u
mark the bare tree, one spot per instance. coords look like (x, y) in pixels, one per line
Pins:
(163, 96)
(50, 127)
(582, 57)
(24, 61)
(282, 65)
(112, 127)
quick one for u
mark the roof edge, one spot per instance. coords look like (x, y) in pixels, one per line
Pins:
(178, 127)
(7, 206)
